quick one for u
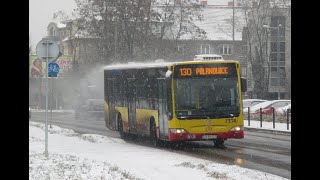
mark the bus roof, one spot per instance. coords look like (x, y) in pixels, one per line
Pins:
(208, 57)
(142, 65)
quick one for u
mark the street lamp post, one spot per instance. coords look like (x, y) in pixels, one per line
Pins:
(278, 54)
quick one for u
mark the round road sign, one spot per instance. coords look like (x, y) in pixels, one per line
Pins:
(47, 47)
(53, 69)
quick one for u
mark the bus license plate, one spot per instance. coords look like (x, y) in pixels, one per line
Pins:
(209, 136)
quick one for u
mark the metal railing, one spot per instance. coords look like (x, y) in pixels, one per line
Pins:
(270, 116)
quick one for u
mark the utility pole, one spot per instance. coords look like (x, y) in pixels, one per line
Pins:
(278, 57)
(115, 40)
(40, 88)
(233, 21)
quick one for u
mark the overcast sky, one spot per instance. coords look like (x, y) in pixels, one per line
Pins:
(41, 14)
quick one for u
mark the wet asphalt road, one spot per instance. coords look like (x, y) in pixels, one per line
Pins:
(264, 151)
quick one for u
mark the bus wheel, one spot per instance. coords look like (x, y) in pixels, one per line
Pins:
(120, 127)
(219, 143)
(153, 134)
(178, 145)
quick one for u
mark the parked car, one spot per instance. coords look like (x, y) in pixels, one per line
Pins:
(283, 110)
(251, 102)
(266, 106)
(91, 108)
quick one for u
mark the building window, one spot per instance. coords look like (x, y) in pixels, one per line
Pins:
(274, 54)
(274, 51)
(205, 49)
(225, 49)
(274, 46)
(275, 76)
(275, 21)
(274, 82)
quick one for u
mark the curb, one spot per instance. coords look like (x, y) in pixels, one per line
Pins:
(271, 131)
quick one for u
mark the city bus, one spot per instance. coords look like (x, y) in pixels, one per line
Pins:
(175, 101)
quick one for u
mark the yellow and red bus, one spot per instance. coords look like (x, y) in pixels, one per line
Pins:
(175, 101)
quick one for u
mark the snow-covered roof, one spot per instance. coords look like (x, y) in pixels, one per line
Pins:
(139, 65)
(61, 25)
(82, 34)
(65, 39)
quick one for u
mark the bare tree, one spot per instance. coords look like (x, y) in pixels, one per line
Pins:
(121, 29)
(179, 20)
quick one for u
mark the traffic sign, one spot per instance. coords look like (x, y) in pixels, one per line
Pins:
(53, 69)
(47, 49)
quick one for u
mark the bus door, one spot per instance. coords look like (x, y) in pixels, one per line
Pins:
(111, 102)
(131, 104)
(162, 107)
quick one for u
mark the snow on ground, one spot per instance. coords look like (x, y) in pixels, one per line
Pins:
(267, 125)
(89, 156)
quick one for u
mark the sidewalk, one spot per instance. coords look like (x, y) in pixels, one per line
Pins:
(281, 127)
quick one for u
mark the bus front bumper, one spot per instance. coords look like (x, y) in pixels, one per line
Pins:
(185, 136)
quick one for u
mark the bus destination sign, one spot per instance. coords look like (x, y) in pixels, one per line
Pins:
(201, 70)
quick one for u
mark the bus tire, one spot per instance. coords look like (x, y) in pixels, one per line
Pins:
(120, 127)
(153, 133)
(219, 143)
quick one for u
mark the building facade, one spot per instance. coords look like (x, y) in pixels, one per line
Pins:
(271, 45)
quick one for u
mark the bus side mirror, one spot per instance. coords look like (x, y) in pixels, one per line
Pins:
(168, 74)
(243, 84)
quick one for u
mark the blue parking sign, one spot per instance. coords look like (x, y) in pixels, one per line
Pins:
(53, 69)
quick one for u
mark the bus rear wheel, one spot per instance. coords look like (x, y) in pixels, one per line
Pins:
(120, 128)
(153, 134)
(219, 143)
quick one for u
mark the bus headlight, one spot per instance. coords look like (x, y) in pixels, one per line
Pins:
(237, 128)
(178, 131)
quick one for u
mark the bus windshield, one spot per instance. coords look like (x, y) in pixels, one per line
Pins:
(199, 98)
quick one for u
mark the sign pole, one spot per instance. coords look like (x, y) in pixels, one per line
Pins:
(47, 66)
(51, 99)
(43, 50)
